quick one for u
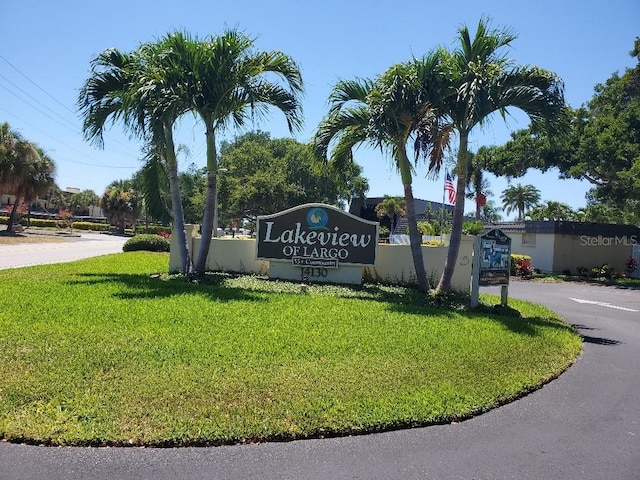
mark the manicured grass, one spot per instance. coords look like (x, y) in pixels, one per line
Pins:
(105, 352)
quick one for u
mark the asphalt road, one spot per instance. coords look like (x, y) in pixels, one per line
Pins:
(583, 425)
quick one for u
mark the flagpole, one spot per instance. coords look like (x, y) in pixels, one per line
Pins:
(442, 204)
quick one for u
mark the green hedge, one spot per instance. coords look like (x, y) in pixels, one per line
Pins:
(148, 242)
(153, 229)
(46, 223)
(96, 227)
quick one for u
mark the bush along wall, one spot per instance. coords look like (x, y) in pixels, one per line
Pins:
(521, 265)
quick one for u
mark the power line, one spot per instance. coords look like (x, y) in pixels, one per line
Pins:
(66, 145)
(54, 99)
(38, 86)
(35, 100)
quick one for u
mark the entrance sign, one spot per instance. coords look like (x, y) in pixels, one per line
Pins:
(491, 263)
(495, 258)
(315, 233)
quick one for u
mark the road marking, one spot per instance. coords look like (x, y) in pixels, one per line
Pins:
(602, 304)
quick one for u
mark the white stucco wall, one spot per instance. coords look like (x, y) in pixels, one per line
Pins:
(394, 262)
(541, 253)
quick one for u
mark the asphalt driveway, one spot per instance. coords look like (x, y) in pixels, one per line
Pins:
(73, 248)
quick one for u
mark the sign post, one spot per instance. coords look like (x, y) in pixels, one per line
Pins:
(491, 264)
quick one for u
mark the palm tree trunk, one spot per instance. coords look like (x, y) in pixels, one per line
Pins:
(415, 240)
(477, 208)
(13, 215)
(211, 203)
(176, 201)
(458, 217)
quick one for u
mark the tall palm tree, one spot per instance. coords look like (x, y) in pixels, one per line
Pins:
(141, 90)
(16, 154)
(225, 83)
(35, 178)
(483, 81)
(520, 198)
(388, 113)
(477, 185)
(391, 207)
(121, 204)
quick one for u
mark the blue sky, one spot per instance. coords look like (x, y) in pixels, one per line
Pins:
(47, 47)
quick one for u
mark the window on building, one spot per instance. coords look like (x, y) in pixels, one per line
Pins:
(528, 239)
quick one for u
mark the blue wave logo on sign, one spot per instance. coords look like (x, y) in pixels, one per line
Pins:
(317, 219)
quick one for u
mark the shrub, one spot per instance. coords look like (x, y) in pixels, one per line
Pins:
(630, 266)
(516, 259)
(425, 228)
(472, 228)
(603, 271)
(148, 242)
(92, 226)
(524, 268)
(153, 229)
(583, 271)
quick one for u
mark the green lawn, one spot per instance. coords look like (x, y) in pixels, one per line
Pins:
(105, 352)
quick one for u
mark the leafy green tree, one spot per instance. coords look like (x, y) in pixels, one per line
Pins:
(225, 82)
(388, 113)
(121, 205)
(264, 176)
(193, 185)
(390, 208)
(81, 201)
(482, 81)
(602, 145)
(520, 198)
(141, 90)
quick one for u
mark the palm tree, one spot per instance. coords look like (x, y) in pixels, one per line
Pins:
(388, 113)
(552, 210)
(391, 207)
(483, 81)
(520, 198)
(35, 178)
(141, 90)
(15, 155)
(224, 82)
(490, 213)
(121, 205)
(25, 170)
(477, 186)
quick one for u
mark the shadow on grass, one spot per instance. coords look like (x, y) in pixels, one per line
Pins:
(155, 286)
(228, 287)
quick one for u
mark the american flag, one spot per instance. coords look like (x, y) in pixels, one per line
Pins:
(449, 188)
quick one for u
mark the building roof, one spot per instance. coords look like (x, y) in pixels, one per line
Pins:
(563, 227)
(420, 206)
